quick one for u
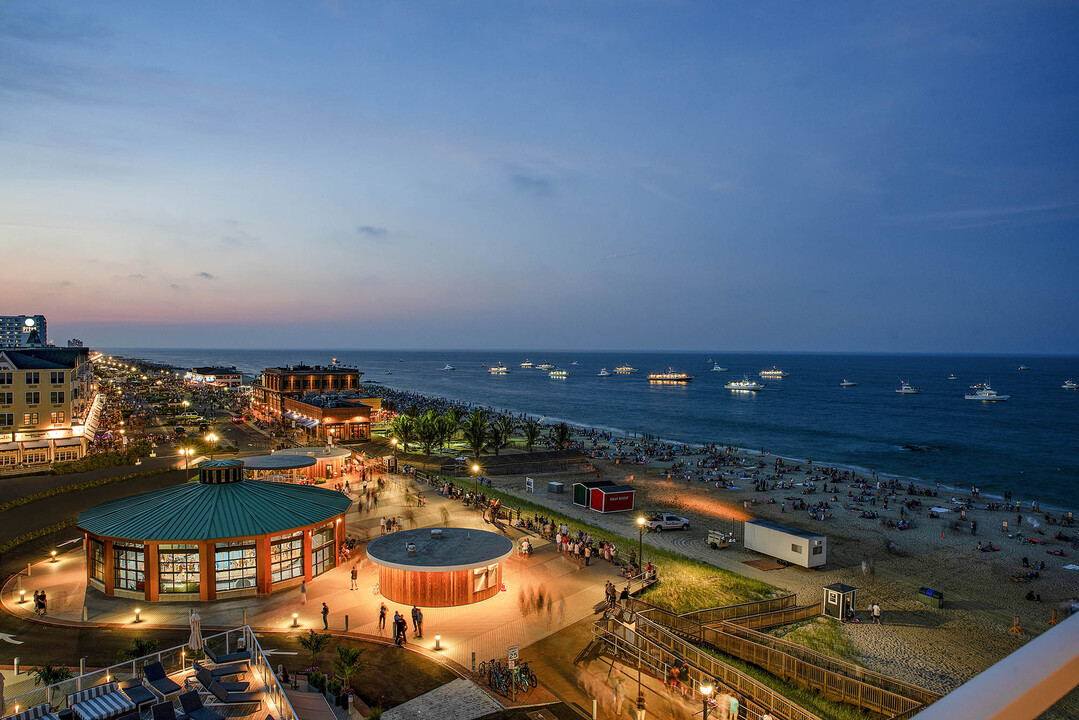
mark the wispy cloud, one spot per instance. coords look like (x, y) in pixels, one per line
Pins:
(240, 239)
(619, 256)
(205, 275)
(373, 231)
(174, 286)
(661, 193)
(1000, 213)
(532, 183)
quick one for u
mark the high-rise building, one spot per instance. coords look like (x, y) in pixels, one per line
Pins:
(22, 331)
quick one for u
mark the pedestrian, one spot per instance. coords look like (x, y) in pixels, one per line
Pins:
(303, 592)
(325, 616)
(395, 627)
(419, 623)
(37, 602)
(619, 696)
(382, 617)
(381, 524)
(624, 596)
(44, 604)
(587, 555)
(415, 620)
(355, 578)
(876, 613)
(402, 630)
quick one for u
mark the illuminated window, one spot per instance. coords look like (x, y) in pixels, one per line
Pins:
(29, 418)
(57, 417)
(97, 559)
(179, 568)
(286, 557)
(234, 565)
(130, 566)
(323, 557)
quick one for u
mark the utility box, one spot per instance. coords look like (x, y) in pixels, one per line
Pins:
(932, 598)
(798, 547)
(555, 487)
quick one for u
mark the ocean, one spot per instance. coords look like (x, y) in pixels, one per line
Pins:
(1027, 445)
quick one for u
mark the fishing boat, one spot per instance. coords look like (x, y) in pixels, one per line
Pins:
(671, 376)
(744, 384)
(847, 383)
(717, 368)
(498, 369)
(604, 373)
(774, 373)
(526, 364)
(545, 366)
(952, 377)
(986, 394)
(449, 367)
(559, 374)
(1024, 367)
(1069, 385)
(625, 370)
(905, 388)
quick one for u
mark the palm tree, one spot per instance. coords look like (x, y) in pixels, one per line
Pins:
(404, 429)
(476, 431)
(314, 643)
(502, 429)
(532, 430)
(139, 647)
(349, 662)
(428, 431)
(49, 675)
(447, 426)
(561, 434)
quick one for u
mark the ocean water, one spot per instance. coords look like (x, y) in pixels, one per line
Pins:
(1029, 444)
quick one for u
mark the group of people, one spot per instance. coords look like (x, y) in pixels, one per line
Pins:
(399, 625)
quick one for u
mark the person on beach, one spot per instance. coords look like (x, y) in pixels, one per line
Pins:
(876, 613)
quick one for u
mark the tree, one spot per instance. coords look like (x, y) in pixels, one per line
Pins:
(348, 663)
(404, 429)
(139, 647)
(561, 435)
(532, 430)
(49, 675)
(502, 429)
(314, 643)
(448, 423)
(476, 431)
(428, 431)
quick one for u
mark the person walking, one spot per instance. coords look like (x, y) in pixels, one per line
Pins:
(619, 696)
(382, 525)
(44, 604)
(402, 630)
(355, 578)
(325, 616)
(587, 555)
(415, 620)
(396, 626)
(419, 623)
(382, 617)
(876, 613)
(303, 592)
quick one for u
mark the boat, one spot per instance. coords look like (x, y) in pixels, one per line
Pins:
(905, 388)
(625, 370)
(717, 368)
(669, 377)
(1070, 385)
(774, 373)
(526, 364)
(574, 363)
(952, 377)
(389, 372)
(744, 384)
(559, 374)
(498, 369)
(449, 367)
(545, 366)
(847, 383)
(1024, 367)
(986, 394)
(604, 373)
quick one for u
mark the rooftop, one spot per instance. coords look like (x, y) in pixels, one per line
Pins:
(279, 462)
(457, 549)
(772, 525)
(320, 369)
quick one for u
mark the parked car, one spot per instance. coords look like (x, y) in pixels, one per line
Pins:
(660, 521)
(179, 430)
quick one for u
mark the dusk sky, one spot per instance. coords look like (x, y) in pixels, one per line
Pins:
(582, 175)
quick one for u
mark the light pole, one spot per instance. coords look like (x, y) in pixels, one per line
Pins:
(393, 441)
(476, 478)
(212, 439)
(706, 692)
(640, 541)
(187, 453)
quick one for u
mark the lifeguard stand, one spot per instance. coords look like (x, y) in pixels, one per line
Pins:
(838, 600)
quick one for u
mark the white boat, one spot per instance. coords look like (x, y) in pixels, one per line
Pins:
(905, 388)
(574, 363)
(744, 384)
(526, 364)
(986, 394)
(847, 383)
(952, 377)
(449, 367)
(774, 373)
(545, 366)
(498, 369)
(1070, 385)
(1023, 367)
(625, 370)
(604, 373)
(559, 374)
(717, 368)
(671, 376)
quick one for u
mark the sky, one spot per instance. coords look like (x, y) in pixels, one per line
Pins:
(588, 174)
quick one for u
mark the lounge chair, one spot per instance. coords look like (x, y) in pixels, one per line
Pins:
(244, 655)
(220, 671)
(195, 710)
(138, 693)
(158, 679)
(224, 697)
(101, 702)
(164, 711)
(204, 677)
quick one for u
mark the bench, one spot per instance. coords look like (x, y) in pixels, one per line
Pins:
(38, 712)
(101, 702)
(225, 659)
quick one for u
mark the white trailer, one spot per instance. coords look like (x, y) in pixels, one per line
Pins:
(786, 543)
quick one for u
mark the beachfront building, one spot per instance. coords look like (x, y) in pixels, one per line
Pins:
(48, 410)
(295, 381)
(228, 378)
(331, 418)
(19, 331)
(222, 537)
(439, 567)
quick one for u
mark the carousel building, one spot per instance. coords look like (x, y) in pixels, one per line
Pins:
(222, 537)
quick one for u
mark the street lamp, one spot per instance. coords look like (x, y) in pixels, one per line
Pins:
(212, 439)
(640, 540)
(187, 453)
(476, 478)
(393, 441)
(706, 692)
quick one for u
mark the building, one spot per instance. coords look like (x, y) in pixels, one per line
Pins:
(48, 410)
(222, 537)
(17, 331)
(295, 381)
(330, 418)
(786, 543)
(75, 342)
(223, 377)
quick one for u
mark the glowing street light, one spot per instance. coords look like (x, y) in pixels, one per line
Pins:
(706, 692)
(53, 556)
(212, 439)
(138, 613)
(476, 477)
(640, 540)
(187, 453)
(295, 619)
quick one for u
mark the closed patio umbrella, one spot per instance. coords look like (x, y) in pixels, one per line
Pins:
(194, 643)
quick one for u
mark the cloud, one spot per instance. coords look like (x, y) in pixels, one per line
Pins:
(531, 183)
(64, 283)
(372, 231)
(661, 193)
(134, 276)
(618, 256)
(205, 275)
(174, 286)
(240, 239)
(985, 214)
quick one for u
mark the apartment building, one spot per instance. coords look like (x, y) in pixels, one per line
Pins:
(18, 331)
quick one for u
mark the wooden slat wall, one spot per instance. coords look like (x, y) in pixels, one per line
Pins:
(435, 589)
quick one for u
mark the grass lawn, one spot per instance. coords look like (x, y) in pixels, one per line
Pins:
(823, 635)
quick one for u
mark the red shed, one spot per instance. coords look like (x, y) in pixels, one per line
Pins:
(612, 498)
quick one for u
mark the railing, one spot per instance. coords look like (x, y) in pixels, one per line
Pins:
(775, 618)
(757, 607)
(275, 694)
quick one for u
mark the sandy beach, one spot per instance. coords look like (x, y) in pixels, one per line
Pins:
(938, 649)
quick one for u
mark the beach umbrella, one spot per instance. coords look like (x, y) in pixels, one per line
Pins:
(3, 701)
(194, 643)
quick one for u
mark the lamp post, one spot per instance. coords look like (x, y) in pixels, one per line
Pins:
(476, 478)
(187, 453)
(706, 692)
(393, 441)
(212, 439)
(640, 541)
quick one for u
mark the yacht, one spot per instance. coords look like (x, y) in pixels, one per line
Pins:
(559, 374)
(744, 384)
(625, 370)
(545, 366)
(774, 373)
(847, 383)
(986, 394)
(952, 377)
(574, 363)
(449, 367)
(669, 376)
(1069, 385)
(527, 364)
(906, 389)
(604, 373)
(1024, 367)
(717, 368)
(498, 369)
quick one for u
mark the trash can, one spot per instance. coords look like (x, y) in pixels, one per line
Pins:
(930, 597)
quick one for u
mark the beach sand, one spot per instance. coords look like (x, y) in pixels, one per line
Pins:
(937, 649)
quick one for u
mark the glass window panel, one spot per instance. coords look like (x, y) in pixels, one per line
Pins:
(178, 568)
(129, 561)
(234, 565)
(286, 557)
